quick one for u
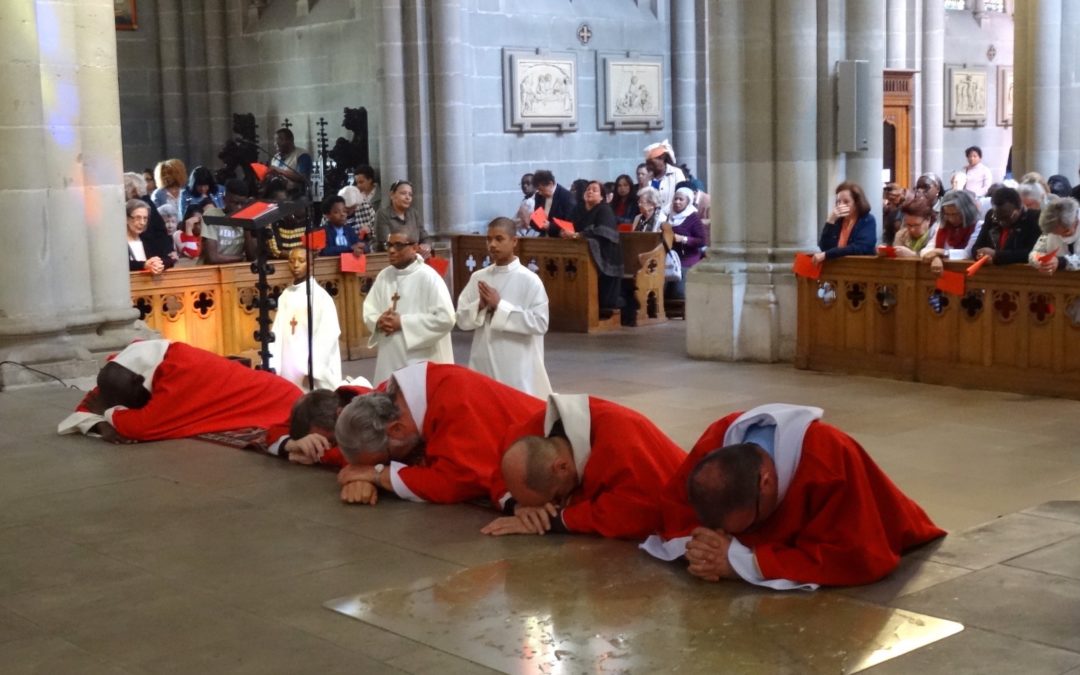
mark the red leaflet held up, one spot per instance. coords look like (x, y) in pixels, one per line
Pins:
(350, 262)
(565, 225)
(315, 240)
(804, 266)
(439, 264)
(539, 218)
(951, 282)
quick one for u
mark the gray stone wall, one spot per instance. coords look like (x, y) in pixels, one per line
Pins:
(139, 65)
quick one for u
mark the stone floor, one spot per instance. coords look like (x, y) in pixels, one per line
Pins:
(187, 557)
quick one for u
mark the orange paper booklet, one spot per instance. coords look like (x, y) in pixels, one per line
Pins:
(1049, 256)
(951, 282)
(439, 264)
(565, 225)
(804, 266)
(886, 251)
(539, 218)
(260, 170)
(351, 262)
(314, 240)
(974, 267)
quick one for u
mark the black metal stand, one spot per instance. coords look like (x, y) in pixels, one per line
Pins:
(266, 304)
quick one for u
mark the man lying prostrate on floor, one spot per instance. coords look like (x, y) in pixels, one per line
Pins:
(584, 465)
(775, 497)
(158, 389)
(434, 435)
(308, 435)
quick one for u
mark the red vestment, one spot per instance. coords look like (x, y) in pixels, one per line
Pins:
(194, 392)
(842, 521)
(466, 420)
(629, 462)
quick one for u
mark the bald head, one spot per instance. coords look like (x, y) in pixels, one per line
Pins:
(726, 483)
(529, 469)
(119, 386)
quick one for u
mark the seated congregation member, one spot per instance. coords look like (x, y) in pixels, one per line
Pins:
(957, 180)
(660, 159)
(399, 211)
(158, 389)
(201, 186)
(408, 310)
(850, 228)
(929, 187)
(156, 237)
(556, 200)
(650, 216)
(307, 437)
(701, 201)
(1032, 195)
(1058, 222)
(624, 201)
(1010, 230)
(170, 176)
(595, 222)
(644, 176)
(506, 305)
(523, 217)
(954, 237)
(290, 163)
(775, 497)
(369, 189)
(227, 243)
(360, 217)
(169, 216)
(688, 238)
(340, 237)
(142, 257)
(891, 218)
(916, 234)
(188, 238)
(289, 350)
(1059, 185)
(584, 465)
(435, 435)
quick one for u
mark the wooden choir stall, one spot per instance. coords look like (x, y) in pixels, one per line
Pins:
(1012, 329)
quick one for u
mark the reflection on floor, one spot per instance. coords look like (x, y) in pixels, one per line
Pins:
(187, 557)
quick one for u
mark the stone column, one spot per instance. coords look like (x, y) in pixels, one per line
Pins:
(684, 83)
(1044, 47)
(451, 110)
(1021, 84)
(394, 143)
(171, 52)
(865, 40)
(933, 86)
(219, 124)
(1069, 159)
(896, 34)
(64, 281)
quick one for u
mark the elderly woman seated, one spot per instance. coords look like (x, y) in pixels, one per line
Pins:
(915, 235)
(1032, 195)
(1057, 248)
(953, 238)
(650, 216)
(141, 256)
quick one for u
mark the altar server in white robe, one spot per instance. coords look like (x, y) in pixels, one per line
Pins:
(409, 311)
(506, 305)
(289, 350)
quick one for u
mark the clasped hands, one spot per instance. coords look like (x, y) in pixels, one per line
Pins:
(489, 297)
(707, 553)
(154, 265)
(358, 485)
(389, 322)
(307, 450)
(526, 520)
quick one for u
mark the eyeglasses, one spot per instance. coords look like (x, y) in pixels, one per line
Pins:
(399, 245)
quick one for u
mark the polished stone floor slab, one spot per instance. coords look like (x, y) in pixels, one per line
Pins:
(587, 606)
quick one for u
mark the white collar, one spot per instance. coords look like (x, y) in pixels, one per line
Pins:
(412, 267)
(573, 410)
(143, 358)
(507, 268)
(412, 381)
(791, 422)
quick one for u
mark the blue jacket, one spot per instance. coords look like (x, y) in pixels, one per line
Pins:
(861, 241)
(351, 239)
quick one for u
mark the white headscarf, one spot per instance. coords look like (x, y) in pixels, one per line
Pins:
(678, 218)
(664, 145)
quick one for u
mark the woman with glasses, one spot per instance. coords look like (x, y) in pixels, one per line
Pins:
(399, 210)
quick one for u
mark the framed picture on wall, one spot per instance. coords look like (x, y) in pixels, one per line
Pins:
(965, 96)
(1005, 96)
(629, 91)
(125, 14)
(539, 90)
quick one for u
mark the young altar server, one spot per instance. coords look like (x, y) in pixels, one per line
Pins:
(777, 498)
(289, 350)
(507, 306)
(408, 310)
(583, 465)
(158, 389)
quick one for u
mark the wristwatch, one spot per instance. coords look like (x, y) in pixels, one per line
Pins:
(379, 468)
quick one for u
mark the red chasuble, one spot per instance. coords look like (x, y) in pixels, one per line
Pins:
(196, 392)
(628, 464)
(841, 523)
(467, 417)
(333, 457)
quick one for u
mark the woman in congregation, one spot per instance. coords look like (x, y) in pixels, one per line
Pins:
(953, 238)
(200, 185)
(624, 202)
(688, 237)
(595, 221)
(1032, 195)
(188, 239)
(399, 209)
(1060, 236)
(650, 216)
(850, 228)
(170, 177)
(140, 255)
(929, 187)
(915, 235)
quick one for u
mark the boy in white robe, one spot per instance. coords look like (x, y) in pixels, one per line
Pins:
(408, 311)
(507, 307)
(289, 350)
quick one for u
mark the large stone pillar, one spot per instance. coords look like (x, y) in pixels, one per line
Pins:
(865, 41)
(1044, 114)
(896, 34)
(933, 86)
(1069, 159)
(64, 289)
(451, 110)
(394, 144)
(684, 83)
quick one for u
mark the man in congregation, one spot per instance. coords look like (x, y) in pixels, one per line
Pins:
(408, 310)
(660, 160)
(1010, 230)
(159, 389)
(291, 163)
(584, 465)
(556, 201)
(223, 244)
(506, 305)
(777, 498)
(434, 435)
